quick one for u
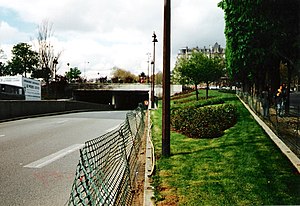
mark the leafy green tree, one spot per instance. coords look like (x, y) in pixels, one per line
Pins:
(212, 69)
(176, 77)
(199, 68)
(188, 72)
(209, 69)
(24, 60)
(259, 35)
(4, 71)
(73, 74)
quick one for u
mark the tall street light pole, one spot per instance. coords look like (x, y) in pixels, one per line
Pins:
(153, 71)
(55, 62)
(148, 61)
(166, 80)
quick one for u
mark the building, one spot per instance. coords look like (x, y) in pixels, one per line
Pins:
(211, 51)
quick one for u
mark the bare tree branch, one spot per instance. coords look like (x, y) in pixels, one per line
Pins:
(48, 58)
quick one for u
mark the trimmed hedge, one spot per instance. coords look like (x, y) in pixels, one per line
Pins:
(230, 91)
(204, 122)
(192, 105)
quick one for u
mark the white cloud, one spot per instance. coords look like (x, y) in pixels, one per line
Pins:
(11, 34)
(116, 32)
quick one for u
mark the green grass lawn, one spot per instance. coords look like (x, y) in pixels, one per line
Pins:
(243, 167)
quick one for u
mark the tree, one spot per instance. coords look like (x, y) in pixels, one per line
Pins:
(47, 57)
(73, 74)
(176, 77)
(123, 76)
(158, 78)
(24, 60)
(142, 77)
(259, 35)
(4, 69)
(199, 68)
(209, 69)
(188, 72)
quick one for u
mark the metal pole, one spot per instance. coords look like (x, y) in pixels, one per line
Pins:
(148, 80)
(166, 80)
(152, 84)
(153, 72)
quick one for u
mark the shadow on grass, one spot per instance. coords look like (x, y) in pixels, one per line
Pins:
(223, 146)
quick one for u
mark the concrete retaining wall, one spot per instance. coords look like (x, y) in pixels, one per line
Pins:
(10, 109)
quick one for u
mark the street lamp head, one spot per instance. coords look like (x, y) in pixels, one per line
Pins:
(154, 37)
(55, 60)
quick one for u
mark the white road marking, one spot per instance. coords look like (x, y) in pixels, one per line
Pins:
(55, 156)
(2, 135)
(61, 122)
(111, 129)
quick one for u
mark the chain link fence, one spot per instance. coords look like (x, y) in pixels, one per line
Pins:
(287, 126)
(106, 172)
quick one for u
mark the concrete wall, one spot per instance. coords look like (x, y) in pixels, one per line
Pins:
(146, 87)
(10, 109)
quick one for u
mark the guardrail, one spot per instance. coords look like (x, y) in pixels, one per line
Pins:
(12, 109)
(106, 172)
(287, 127)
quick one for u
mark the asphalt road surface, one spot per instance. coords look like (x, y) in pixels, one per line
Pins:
(295, 103)
(295, 99)
(38, 156)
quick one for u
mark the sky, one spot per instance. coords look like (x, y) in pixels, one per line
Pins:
(97, 35)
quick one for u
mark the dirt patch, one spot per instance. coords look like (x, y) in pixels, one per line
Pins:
(138, 198)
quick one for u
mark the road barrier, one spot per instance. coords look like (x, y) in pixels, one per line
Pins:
(14, 109)
(105, 174)
(286, 127)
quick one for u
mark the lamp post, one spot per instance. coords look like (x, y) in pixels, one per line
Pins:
(166, 80)
(55, 62)
(153, 70)
(148, 61)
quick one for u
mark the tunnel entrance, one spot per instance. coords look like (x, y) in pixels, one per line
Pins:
(119, 99)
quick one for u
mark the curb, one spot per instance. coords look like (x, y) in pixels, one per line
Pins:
(280, 144)
(149, 166)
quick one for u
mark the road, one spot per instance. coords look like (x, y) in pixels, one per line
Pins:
(38, 156)
(295, 102)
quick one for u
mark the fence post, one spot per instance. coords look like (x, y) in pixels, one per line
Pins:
(298, 122)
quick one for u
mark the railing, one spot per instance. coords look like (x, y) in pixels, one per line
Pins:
(287, 127)
(105, 174)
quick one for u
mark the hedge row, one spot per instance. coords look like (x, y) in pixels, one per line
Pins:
(193, 105)
(204, 122)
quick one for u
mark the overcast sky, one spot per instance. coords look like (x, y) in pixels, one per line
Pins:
(96, 35)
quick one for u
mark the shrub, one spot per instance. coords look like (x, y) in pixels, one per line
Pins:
(193, 104)
(204, 122)
(230, 91)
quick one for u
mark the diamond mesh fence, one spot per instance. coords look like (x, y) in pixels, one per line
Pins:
(286, 127)
(106, 171)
